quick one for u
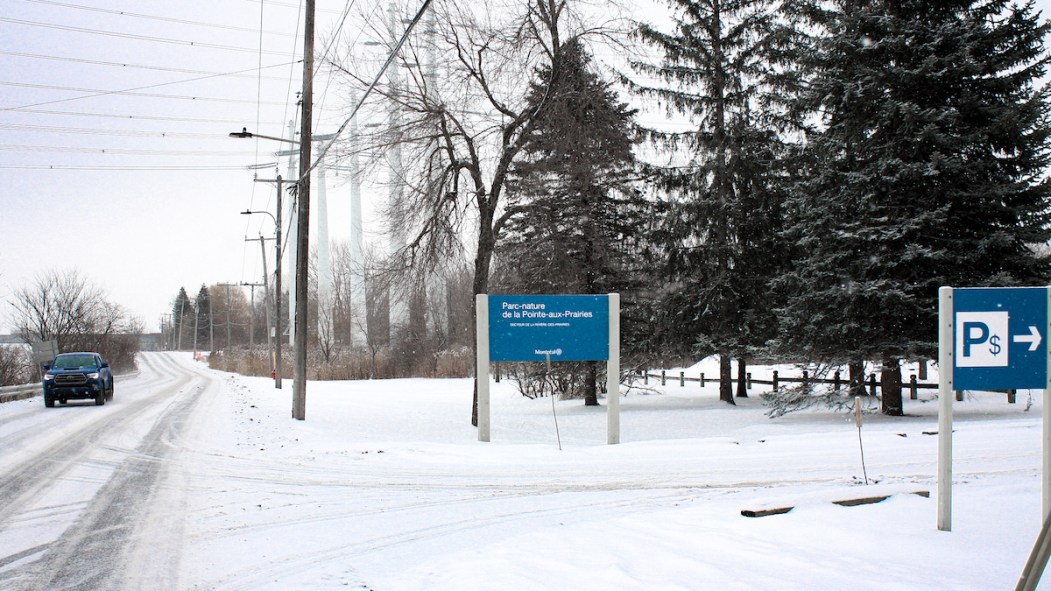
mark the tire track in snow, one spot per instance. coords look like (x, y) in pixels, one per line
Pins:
(23, 483)
(105, 548)
(574, 498)
(86, 554)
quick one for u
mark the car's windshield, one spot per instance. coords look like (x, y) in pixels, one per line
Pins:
(68, 361)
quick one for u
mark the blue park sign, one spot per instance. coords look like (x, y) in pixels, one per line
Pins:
(534, 327)
(1000, 338)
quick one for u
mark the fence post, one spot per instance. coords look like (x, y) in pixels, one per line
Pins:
(1011, 396)
(748, 381)
(682, 379)
(806, 376)
(664, 378)
(646, 377)
(959, 396)
(872, 384)
(774, 385)
(835, 381)
(496, 366)
(702, 379)
(913, 388)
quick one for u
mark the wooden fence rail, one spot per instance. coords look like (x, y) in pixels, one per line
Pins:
(871, 383)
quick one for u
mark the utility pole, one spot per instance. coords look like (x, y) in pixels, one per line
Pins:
(228, 334)
(293, 234)
(251, 308)
(277, 295)
(279, 334)
(211, 324)
(299, 386)
(276, 361)
(196, 318)
(179, 325)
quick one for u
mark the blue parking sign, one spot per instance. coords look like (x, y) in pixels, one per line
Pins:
(1000, 338)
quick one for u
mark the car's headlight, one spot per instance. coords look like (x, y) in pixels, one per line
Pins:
(93, 376)
(48, 377)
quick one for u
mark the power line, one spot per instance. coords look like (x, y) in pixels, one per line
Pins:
(119, 151)
(245, 74)
(111, 132)
(97, 92)
(166, 19)
(116, 168)
(134, 37)
(132, 117)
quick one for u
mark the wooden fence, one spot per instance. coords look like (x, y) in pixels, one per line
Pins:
(836, 381)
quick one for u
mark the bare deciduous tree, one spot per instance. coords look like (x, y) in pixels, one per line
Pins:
(454, 135)
(15, 365)
(67, 308)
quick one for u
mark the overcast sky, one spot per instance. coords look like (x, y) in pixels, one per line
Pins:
(115, 159)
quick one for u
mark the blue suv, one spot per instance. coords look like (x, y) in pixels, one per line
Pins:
(77, 375)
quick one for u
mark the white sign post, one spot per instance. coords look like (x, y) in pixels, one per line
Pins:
(481, 378)
(613, 372)
(945, 395)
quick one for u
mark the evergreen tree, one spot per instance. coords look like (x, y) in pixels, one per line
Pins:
(575, 219)
(203, 322)
(719, 69)
(182, 308)
(925, 170)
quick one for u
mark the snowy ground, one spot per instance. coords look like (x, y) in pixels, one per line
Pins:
(385, 487)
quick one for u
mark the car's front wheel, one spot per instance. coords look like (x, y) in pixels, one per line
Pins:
(100, 398)
(49, 402)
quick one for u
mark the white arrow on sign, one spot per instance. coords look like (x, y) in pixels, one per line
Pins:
(1033, 338)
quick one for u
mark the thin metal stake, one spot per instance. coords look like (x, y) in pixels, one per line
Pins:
(857, 421)
(553, 415)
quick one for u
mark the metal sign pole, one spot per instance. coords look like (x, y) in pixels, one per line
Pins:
(945, 396)
(613, 373)
(481, 327)
(1046, 468)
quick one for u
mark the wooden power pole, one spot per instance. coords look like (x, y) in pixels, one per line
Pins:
(299, 384)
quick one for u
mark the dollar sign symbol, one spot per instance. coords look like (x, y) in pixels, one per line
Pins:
(995, 349)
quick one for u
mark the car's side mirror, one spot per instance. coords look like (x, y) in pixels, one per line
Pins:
(105, 364)
(47, 366)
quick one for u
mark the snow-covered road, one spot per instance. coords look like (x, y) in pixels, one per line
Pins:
(80, 482)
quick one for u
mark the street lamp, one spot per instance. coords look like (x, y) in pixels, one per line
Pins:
(277, 288)
(245, 134)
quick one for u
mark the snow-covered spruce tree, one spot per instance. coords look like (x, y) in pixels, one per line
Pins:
(203, 320)
(720, 68)
(576, 222)
(925, 169)
(182, 319)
